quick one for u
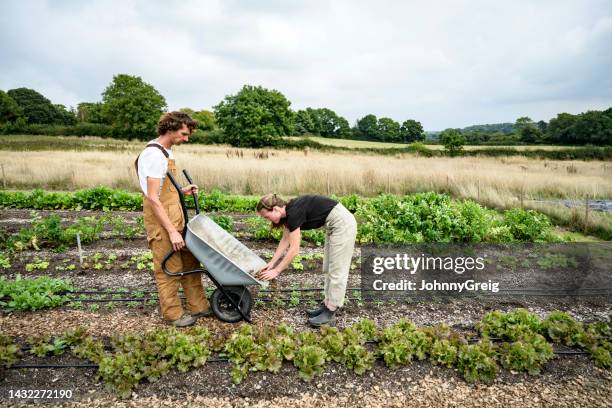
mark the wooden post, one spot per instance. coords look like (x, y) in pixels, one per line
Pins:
(328, 188)
(586, 214)
(522, 193)
(3, 177)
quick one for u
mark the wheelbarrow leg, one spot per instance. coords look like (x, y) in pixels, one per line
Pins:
(229, 298)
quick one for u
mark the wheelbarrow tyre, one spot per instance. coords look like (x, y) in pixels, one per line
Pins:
(223, 309)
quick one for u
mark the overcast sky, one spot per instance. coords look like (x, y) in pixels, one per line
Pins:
(444, 63)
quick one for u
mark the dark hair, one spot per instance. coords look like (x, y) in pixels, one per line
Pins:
(268, 202)
(173, 121)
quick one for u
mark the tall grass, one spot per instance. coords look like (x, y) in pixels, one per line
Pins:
(496, 182)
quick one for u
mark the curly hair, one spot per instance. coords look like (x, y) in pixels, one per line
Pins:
(173, 121)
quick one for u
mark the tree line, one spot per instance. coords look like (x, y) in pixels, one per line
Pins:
(256, 117)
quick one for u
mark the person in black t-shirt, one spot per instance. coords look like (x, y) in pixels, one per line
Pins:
(305, 213)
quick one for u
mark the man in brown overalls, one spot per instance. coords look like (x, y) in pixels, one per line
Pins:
(164, 221)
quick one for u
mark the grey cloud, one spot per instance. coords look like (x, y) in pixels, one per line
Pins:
(445, 63)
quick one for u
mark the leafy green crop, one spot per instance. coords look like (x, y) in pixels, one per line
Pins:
(310, 360)
(444, 353)
(48, 231)
(509, 326)
(402, 342)
(528, 353)
(562, 328)
(476, 364)
(5, 262)
(224, 221)
(422, 217)
(9, 352)
(131, 359)
(32, 294)
(527, 225)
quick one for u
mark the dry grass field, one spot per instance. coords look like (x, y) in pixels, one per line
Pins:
(65, 163)
(498, 182)
(71, 163)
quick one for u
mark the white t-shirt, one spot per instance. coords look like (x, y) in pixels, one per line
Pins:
(153, 163)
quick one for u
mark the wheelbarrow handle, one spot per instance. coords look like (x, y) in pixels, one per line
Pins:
(195, 195)
(182, 273)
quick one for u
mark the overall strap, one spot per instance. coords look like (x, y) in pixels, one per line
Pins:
(152, 145)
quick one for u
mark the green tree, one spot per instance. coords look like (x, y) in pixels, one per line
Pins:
(316, 120)
(522, 122)
(36, 108)
(560, 128)
(367, 128)
(542, 125)
(331, 125)
(64, 116)
(10, 111)
(527, 130)
(343, 129)
(205, 118)
(453, 141)
(304, 123)
(592, 127)
(412, 131)
(255, 117)
(132, 106)
(389, 130)
(91, 112)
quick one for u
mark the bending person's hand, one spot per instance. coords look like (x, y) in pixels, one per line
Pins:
(268, 274)
(269, 265)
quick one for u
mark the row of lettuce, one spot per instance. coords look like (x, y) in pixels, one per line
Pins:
(518, 341)
(422, 217)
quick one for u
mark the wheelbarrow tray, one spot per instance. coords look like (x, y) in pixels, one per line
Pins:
(228, 260)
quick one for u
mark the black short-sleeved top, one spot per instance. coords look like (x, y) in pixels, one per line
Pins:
(308, 211)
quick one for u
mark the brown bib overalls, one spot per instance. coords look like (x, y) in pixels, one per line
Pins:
(160, 245)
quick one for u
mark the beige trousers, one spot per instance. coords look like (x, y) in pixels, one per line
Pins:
(341, 231)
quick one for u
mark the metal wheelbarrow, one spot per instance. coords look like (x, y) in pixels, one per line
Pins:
(228, 263)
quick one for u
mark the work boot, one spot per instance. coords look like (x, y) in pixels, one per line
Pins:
(316, 312)
(184, 321)
(204, 313)
(325, 317)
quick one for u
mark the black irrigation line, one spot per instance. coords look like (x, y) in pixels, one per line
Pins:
(100, 292)
(53, 366)
(225, 359)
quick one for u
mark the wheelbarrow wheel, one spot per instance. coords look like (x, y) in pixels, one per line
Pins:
(223, 309)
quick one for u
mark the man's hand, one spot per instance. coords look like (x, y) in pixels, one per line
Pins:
(268, 274)
(190, 189)
(177, 240)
